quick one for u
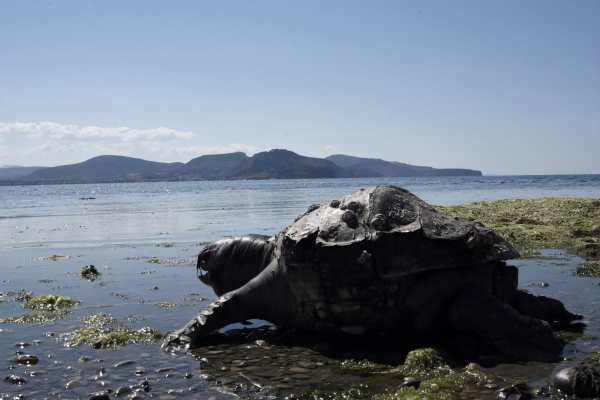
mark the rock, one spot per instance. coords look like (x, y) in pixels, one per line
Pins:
(22, 344)
(26, 359)
(300, 376)
(123, 390)
(34, 373)
(187, 375)
(154, 288)
(123, 363)
(491, 386)
(412, 383)
(166, 369)
(581, 381)
(72, 384)
(307, 365)
(177, 391)
(298, 370)
(99, 396)
(16, 380)
(140, 371)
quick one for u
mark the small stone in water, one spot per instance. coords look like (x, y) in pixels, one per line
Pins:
(50, 334)
(24, 359)
(491, 386)
(166, 369)
(123, 390)
(123, 363)
(72, 384)
(34, 373)
(22, 344)
(154, 288)
(140, 371)
(412, 383)
(101, 371)
(307, 364)
(99, 396)
(177, 391)
(297, 370)
(187, 375)
(16, 380)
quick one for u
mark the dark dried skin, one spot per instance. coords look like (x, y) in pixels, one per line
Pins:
(380, 259)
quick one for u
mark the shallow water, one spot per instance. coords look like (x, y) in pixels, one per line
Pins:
(117, 232)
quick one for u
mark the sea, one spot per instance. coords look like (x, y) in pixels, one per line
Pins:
(144, 239)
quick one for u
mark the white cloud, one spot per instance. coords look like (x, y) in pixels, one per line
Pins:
(48, 143)
(330, 148)
(51, 130)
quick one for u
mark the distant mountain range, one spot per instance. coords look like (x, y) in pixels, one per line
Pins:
(273, 164)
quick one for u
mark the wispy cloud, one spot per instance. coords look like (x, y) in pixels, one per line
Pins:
(49, 143)
(56, 131)
(330, 148)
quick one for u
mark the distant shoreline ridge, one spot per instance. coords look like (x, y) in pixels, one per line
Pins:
(273, 164)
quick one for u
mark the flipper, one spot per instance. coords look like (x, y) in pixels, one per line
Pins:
(542, 307)
(259, 299)
(476, 311)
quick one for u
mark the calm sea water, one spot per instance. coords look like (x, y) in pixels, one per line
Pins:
(116, 227)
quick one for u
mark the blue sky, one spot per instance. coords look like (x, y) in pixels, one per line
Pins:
(505, 87)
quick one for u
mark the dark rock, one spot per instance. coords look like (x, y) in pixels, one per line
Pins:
(581, 381)
(123, 390)
(99, 396)
(16, 379)
(412, 383)
(24, 359)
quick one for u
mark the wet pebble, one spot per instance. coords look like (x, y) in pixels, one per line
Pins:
(123, 363)
(34, 373)
(50, 334)
(123, 390)
(15, 380)
(140, 371)
(101, 371)
(166, 369)
(22, 344)
(544, 284)
(99, 396)
(207, 377)
(491, 386)
(37, 342)
(135, 396)
(154, 288)
(187, 375)
(177, 391)
(24, 359)
(307, 364)
(72, 384)
(298, 370)
(300, 376)
(412, 383)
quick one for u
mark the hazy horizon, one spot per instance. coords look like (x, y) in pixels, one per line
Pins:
(501, 87)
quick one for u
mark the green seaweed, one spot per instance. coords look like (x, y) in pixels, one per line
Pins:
(589, 269)
(424, 363)
(569, 223)
(104, 332)
(90, 273)
(165, 304)
(120, 296)
(50, 302)
(34, 318)
(360, 368)
(593, 359)
(164, 245)
(54, 257)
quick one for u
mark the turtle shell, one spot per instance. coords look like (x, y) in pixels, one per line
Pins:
(350, 263)
(415, 235)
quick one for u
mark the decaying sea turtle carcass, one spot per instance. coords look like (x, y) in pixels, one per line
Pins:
(378, 259)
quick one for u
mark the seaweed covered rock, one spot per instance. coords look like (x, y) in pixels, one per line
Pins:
(378, 259)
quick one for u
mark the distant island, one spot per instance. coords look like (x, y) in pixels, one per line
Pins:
(273, 164)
